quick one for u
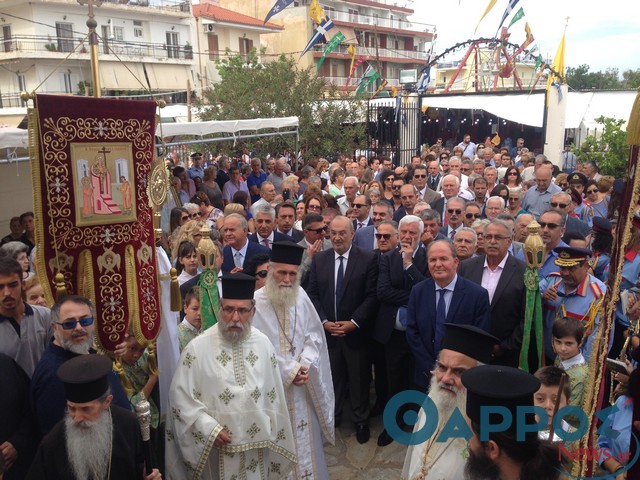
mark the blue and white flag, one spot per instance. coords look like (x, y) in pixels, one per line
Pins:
(507, 12)
(277, 8)
(321, 29)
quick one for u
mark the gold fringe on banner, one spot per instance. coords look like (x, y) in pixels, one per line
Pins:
(633, 125)
(152, 359)
(132, 294)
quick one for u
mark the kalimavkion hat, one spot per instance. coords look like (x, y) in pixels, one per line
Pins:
(287, 252)
(85, 377)
(238, 286)
(469, 340)
(499, 386)
(571, 256)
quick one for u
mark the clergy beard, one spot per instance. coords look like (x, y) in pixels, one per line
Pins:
(446, 402)
(77, 348)
(89, 446)
(282, 296)
(234, 336)
(480, 467)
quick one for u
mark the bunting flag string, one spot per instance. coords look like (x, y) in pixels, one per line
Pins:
(337, 39)
(369, 76)
(358, 62)
(277, 8)
(323, 27)
(492, 3)
(507, 12)
(519, 14)
(316, 12)
(352, 53)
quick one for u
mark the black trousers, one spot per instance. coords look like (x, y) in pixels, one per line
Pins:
(351, 372)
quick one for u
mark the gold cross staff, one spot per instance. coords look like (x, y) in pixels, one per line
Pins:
(93, 44)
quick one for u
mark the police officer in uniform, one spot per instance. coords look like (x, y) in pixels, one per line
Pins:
(584, 210)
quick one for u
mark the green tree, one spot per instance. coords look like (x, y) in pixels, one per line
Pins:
(631, 78)
(609, 151)
(329, 121)
(580, 78)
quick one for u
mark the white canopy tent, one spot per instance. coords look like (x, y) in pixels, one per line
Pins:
(225, 126)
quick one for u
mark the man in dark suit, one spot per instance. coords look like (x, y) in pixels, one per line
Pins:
(342, 287)
(285, 218)
(434, 175)
(265, 220)
(444, 298)
(502, 275)
(365, 237)
(238, 248)
(362, 206)
(409, 197)
(399, 270)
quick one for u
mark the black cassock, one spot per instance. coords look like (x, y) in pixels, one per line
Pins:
(127, 459)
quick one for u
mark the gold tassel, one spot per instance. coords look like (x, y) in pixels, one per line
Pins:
(126, 384)
(152, 361)
(176, 298)
(61, 287)
(633, 125)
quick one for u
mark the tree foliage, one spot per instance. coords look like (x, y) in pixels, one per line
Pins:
(609, 151)
(251, 89)
(580, 78)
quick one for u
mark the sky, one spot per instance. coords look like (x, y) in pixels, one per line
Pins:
(601, 34)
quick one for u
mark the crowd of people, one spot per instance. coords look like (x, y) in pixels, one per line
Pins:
(344, 282)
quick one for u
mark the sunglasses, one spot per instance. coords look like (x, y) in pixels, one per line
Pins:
(419, 176)
(559, 205)
(444, 164)
(592, 191)
(184, 219)
(444, 158)
(472, 215)
(563, 185)
(464, 169)
(550, 226)
(457, 211)
(262, 273)
(313, 207)
(71, 324)
(359, 205)
(380, 236)
(195, 215)
(396, 187)
(317, 230)
(512, 174)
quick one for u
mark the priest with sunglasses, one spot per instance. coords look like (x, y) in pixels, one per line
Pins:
(72, 320)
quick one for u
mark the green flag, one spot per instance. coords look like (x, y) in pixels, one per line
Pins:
(370, 75)
(209, 303)
(519, 14)
(337, 39)
(538, 61)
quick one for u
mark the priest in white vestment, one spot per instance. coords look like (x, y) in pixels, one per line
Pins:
(463, 347)
(285, 314)
(228, 415)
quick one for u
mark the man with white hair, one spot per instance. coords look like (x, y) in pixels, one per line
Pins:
(227, 412)
(463, 347)
(465, 242)
(287, 317)
(494, 207)
(350, 186)
(277, 176)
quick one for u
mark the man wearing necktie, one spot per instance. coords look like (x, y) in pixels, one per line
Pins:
(362, 207)
(444, 298)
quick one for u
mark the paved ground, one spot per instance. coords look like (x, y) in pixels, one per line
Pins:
(350, 460)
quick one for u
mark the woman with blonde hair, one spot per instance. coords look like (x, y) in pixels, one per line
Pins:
(238, 208)
(190, 231)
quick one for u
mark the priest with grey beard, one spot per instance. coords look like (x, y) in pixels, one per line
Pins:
(463, 347)
(285, 314)
(96, 440)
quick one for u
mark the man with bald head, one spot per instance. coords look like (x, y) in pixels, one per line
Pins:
(538, 198)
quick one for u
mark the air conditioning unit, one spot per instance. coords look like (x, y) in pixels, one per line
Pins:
(209, 28)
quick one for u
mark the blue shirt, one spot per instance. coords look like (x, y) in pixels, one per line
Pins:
(619, 447)
(630, 279)
(536, 202)
(194, 172)
(253, 180)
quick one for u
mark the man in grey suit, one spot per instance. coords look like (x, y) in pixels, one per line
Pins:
(365, 237)
(314, 229)
(419, 181)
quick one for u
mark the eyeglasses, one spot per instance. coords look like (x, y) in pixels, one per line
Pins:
(359, 205)
(184, 219)
(550, 226)
(514, 199)
(457, 211)
(472, 215)
(243, 312)
(317, 230)
(444, 164)
(314, 207)
(388, 179)
(590, 192)
(380, 236)
(559, 205)
(262, 273)
(71, 324)
(195, 215)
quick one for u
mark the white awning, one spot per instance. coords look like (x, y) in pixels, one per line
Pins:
(225, 126)
(11, 137)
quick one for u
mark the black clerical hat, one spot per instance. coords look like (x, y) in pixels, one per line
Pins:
(469, 340)
(85, 377)
(238, 286)
(287, 252)
(499, 386)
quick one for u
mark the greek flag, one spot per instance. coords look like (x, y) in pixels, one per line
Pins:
(280, 5)
(321, 29)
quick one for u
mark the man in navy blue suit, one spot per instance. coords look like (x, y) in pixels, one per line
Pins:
(444, 298)
(238, 248)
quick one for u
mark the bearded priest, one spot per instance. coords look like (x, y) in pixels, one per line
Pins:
(285, 314)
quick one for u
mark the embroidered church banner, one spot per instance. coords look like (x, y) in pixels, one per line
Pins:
(90, 160)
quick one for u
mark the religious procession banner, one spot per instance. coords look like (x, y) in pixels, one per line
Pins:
(91, 159)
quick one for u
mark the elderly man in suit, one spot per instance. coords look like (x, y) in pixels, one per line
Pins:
(342, 287)
(265, 220)
(444, 298)
(502, 275)
(366, 237)
(238, 248)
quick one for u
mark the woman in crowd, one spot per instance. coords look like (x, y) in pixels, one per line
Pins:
(211, 188)
(514, 205)
(208, 213)
(501, 191)
(191, 232)
(19, 252)
(34, 293)
(386, 179)
(178, 217)
(337, 180)
(299, 214)
(313, 202)
(512, 177)
(257, 266)
(596, 197)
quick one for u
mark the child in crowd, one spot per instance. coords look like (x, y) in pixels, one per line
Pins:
(547, 395)
(187, 263)
(568, 335)
(191, 325)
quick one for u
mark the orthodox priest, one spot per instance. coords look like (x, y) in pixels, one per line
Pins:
(227, 415)
(95, 440)
(285, 314)
(463, 347)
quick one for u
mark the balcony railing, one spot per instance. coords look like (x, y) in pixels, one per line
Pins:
(19, 45)
(182, 6)
(342, 81)
(382, 52)
(396, 23)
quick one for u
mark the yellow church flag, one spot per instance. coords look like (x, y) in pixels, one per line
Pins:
(317, 12)
(558, 62)
(352, 53)
(492, 3)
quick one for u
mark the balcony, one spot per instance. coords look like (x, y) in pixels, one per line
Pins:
(408, 55)
(34, 46)
(396, 23)
(342, 81)
(179, 6)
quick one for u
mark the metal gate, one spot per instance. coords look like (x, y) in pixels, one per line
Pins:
(394, 127)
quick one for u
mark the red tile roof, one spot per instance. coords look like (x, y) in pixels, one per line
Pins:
(220, 14)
